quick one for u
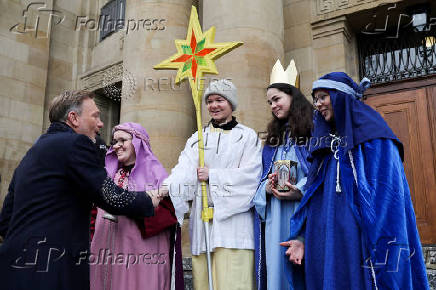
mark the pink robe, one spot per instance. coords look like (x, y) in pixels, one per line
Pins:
(122, 260)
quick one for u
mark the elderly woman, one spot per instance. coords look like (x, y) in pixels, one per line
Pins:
(232, 170)
(287, 134)
(357, 216)
(130, 253)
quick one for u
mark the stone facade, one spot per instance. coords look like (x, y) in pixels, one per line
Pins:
(24, 65)
(430, 257)
(298, 42)
(261, 29)
(73, 57)
(432, 279)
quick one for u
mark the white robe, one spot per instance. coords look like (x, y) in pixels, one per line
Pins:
(234, 160)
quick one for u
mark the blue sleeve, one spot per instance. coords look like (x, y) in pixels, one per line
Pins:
(302, 155)
(259, 199)
(383, 202)
(301, 184)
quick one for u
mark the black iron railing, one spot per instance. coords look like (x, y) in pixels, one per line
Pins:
(384, 59)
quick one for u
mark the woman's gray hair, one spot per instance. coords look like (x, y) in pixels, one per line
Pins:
(67, 102)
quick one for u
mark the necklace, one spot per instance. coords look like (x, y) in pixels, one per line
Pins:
(334, 147)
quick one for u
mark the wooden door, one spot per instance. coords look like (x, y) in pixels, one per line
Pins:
(411, 115)
(109, 115)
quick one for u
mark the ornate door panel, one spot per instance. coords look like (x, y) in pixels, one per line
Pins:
(411, 115)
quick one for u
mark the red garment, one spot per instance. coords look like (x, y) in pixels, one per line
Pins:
(93, 218)
(164, 217)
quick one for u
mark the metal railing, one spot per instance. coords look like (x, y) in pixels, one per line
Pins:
(383, 59)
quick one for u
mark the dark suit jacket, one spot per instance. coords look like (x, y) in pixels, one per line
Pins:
(46, 214)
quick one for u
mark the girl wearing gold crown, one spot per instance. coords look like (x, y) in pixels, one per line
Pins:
(284, 175)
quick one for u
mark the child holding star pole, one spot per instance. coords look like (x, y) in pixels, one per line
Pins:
(232, 168)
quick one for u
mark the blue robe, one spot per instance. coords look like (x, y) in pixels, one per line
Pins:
(272, 219)
(364, 236)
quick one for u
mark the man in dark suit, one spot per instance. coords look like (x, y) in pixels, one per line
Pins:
(46, 213)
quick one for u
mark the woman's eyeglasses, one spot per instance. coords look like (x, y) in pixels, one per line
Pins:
(119, 141)
(320, 99)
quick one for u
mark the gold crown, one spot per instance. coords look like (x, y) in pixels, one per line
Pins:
(288, 76)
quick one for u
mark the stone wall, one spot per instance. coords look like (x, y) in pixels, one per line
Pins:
(298, 42)
(24, 57)
(430, 262)
(166, 112)
(324, 9)
(432, 279)
(259, 24)
(63, 55)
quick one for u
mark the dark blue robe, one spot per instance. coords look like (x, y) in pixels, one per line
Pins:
(364, 236)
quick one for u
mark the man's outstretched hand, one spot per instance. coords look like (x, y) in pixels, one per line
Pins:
(295, 250)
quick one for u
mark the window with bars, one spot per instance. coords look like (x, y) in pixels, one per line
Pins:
(398, 54)
(389, 59)
(112, 17)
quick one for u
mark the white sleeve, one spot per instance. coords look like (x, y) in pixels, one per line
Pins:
(237, 186)
(182, 182)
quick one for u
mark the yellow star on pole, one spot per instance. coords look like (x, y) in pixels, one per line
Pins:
(196, 54)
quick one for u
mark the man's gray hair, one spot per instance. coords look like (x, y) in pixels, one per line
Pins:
(67, 102)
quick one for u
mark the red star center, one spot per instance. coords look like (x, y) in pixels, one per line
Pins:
(197, 53)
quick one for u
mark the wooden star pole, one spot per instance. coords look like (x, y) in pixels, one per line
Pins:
(195, 56)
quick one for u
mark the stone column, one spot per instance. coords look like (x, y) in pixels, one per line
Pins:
(165, 110)
(298, 41)
(335, 47)
(23, 72)
(259, 24)
(64, 57)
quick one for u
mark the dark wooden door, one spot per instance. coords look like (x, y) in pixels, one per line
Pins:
(410, 111)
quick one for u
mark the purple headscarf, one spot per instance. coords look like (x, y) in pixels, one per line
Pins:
(147, 173)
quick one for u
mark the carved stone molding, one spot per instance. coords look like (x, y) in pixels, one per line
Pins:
(326, 6)
(330, 27)
(343, 3)
(97, 78)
